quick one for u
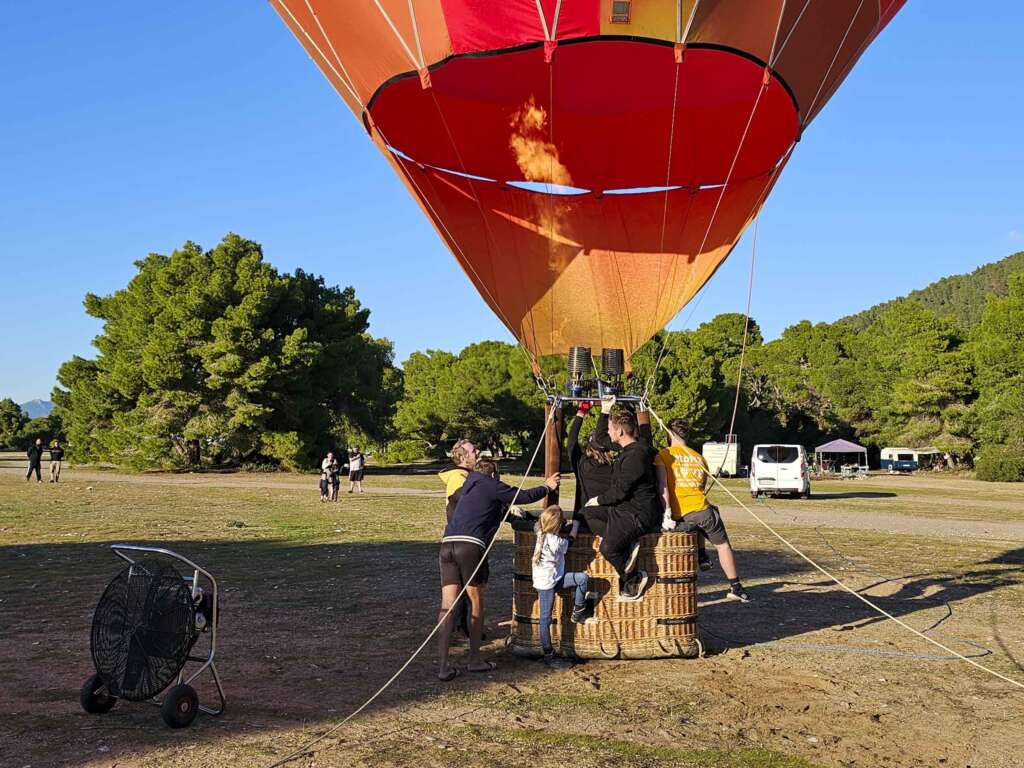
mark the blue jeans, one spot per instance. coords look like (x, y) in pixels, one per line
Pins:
(547, 600)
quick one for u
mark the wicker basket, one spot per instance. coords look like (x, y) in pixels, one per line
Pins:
(662, 624)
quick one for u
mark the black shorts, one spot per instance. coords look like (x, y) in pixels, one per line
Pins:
(355, 476)
(458, 559)
(710, 523)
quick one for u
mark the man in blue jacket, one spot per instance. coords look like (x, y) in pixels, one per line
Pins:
(474, 523)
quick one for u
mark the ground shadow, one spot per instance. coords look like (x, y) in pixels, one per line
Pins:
(854, 495)
(308, 632)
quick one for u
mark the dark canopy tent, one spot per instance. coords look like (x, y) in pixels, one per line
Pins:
(841, 450)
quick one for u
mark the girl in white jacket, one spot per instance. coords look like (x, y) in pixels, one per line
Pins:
(549, 574)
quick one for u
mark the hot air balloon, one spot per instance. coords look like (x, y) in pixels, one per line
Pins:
(590, 163)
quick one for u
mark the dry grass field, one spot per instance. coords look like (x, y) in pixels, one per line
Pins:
(321, 602)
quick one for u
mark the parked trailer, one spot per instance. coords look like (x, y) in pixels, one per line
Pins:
(722, 458)
(908, 459)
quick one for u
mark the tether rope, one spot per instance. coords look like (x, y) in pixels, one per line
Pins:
(842, 584)
(335, 728)
(765, 81)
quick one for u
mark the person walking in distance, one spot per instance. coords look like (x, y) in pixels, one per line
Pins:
(35, 460)
(56, 457)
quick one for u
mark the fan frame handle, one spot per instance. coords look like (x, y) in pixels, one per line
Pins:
(121, 551)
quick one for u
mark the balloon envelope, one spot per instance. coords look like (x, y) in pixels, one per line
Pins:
(589, 163)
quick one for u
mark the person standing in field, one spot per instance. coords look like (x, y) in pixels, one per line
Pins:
(474, 524)
(356, 464)
(56, 457)
(682, 479)
(464, 456)
(35, 460)
(330, 469)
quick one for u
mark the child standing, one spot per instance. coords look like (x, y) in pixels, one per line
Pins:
(549, 574)
(325, 485)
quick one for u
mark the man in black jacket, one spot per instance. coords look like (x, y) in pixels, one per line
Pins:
(474, 523)
(629, 508)
(35, 459)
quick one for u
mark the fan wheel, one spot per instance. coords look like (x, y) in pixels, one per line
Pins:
(93, 699)
(180, 706)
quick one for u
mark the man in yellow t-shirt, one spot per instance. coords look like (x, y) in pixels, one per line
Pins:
(682, 479)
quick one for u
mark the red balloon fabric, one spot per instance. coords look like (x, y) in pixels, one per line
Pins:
(590, 163)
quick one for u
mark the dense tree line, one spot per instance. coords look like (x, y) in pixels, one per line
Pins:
(215, 358)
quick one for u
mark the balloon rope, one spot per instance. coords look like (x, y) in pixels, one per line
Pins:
(746, 328)
(765, 81)
(842, 584)
(335, 728)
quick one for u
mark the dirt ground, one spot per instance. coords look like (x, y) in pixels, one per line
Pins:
(322, 602)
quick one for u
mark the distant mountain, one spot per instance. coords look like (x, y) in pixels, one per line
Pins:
(960, 297)
(37, 408)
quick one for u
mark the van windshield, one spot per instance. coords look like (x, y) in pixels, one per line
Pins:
(778, 454)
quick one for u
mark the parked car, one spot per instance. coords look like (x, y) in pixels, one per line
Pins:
(778, 469)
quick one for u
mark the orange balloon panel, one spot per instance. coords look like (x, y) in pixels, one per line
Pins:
(518, 125)
(585, 270)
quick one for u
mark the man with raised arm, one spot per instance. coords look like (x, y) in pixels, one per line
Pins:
(483, 501)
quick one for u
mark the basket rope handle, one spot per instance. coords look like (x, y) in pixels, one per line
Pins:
(605, 653)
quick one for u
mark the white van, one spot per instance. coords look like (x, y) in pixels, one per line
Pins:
(778, 469)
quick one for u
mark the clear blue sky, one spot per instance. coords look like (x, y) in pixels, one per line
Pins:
(128, 127)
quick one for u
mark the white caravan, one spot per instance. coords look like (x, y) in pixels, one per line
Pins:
(722, 458)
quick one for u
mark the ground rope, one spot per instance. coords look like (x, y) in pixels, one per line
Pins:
(304, 749)
(849, 589)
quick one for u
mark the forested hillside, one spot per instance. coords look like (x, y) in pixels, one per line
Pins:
(958, 297)
(215, 358)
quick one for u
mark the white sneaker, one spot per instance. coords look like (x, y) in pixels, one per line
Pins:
(637, 593)
(741, 596)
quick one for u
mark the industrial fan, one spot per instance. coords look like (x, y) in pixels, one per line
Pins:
(144, 629)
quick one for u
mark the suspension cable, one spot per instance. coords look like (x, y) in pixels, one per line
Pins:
(335, 728)
(871, 604)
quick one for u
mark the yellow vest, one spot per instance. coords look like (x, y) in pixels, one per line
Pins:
(687, 476)
(453, 480)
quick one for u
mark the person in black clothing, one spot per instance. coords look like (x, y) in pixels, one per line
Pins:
(35, 460)
(56, 457)
(629, 508)
(473, 525)
(591, 461)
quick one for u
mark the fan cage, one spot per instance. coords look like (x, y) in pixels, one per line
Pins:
(143, 629)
